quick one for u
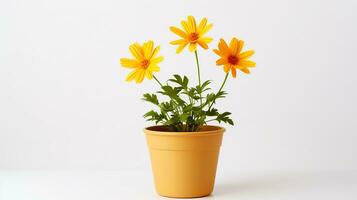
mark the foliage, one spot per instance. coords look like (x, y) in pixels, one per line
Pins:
(183, 111)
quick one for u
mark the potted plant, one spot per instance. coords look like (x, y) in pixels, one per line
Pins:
(183, 147)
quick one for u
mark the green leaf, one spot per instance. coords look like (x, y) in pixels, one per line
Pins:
(173, 93)
(183, 117)
(187, 108)
(183, 82)
(167, 106)
(220, 95)
(153, 116)
(152, 98)
(204, 87)
(224, 118)
(212, 112)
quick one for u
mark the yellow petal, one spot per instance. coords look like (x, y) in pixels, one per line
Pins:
(245, 70)
(221, 61)
(192, 47)
(206, 39)
(147, 48)
(180, 42)
(233, 45)
(191, 23)
(148, 74)
(218, 52)
(180, 48)
(223, 47)
(202, 44)
(185, 26)
(129, 63)
(132, 75)
(246, 63)
(157, 60)
(140, 76)
(226, 68)
(206, 29)
(154, 68)
(154, 52)
(240, 47)
(246, 54)
(178, 31)
(202, 25)
(137, 51)
(234, 72)
(238, 67)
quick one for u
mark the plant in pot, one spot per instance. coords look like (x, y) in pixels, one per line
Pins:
(183, 147)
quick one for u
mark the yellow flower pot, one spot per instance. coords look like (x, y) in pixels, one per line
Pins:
(184, 163)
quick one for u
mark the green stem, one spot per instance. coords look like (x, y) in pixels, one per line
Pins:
(220, 89)
(199, 75)
(157, 80)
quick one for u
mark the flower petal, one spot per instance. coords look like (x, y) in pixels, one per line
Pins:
(221, 61)
(240, 47)
(191, 24)
(246, 54)
(147, 48)
(206, 39)
(202, 44)
(154, 68)
(234, 72)
(148, 74)
(180, 42)
(157, 60)
(226, 68)
(202, 25)
(218, 52)
(178, 32)
(137, 51)
(223, 47)
(129, 63)
(180, 48)
(192, 47)
(140, 76)
(246, 63)
(233, 45)
(185, 26)
(206, 29)
(132, 75)
(155, 51)
(245, 70)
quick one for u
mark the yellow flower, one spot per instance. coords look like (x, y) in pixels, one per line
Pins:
(232, 58)
(192, 34)
(144, 62)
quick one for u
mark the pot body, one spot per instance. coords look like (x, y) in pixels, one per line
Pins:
(184, 163)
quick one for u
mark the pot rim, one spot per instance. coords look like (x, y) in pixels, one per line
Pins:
(216, 130)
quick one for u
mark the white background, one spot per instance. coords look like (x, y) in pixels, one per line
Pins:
(64, 103)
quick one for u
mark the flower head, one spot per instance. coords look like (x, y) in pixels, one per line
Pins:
(232, 58)
(192, 34)
(144, 62)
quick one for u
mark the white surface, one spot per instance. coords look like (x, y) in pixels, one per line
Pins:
(64, 103)
(71, 185)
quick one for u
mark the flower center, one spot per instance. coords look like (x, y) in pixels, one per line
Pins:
(233, 59)
(193, 37)
(145, 64)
